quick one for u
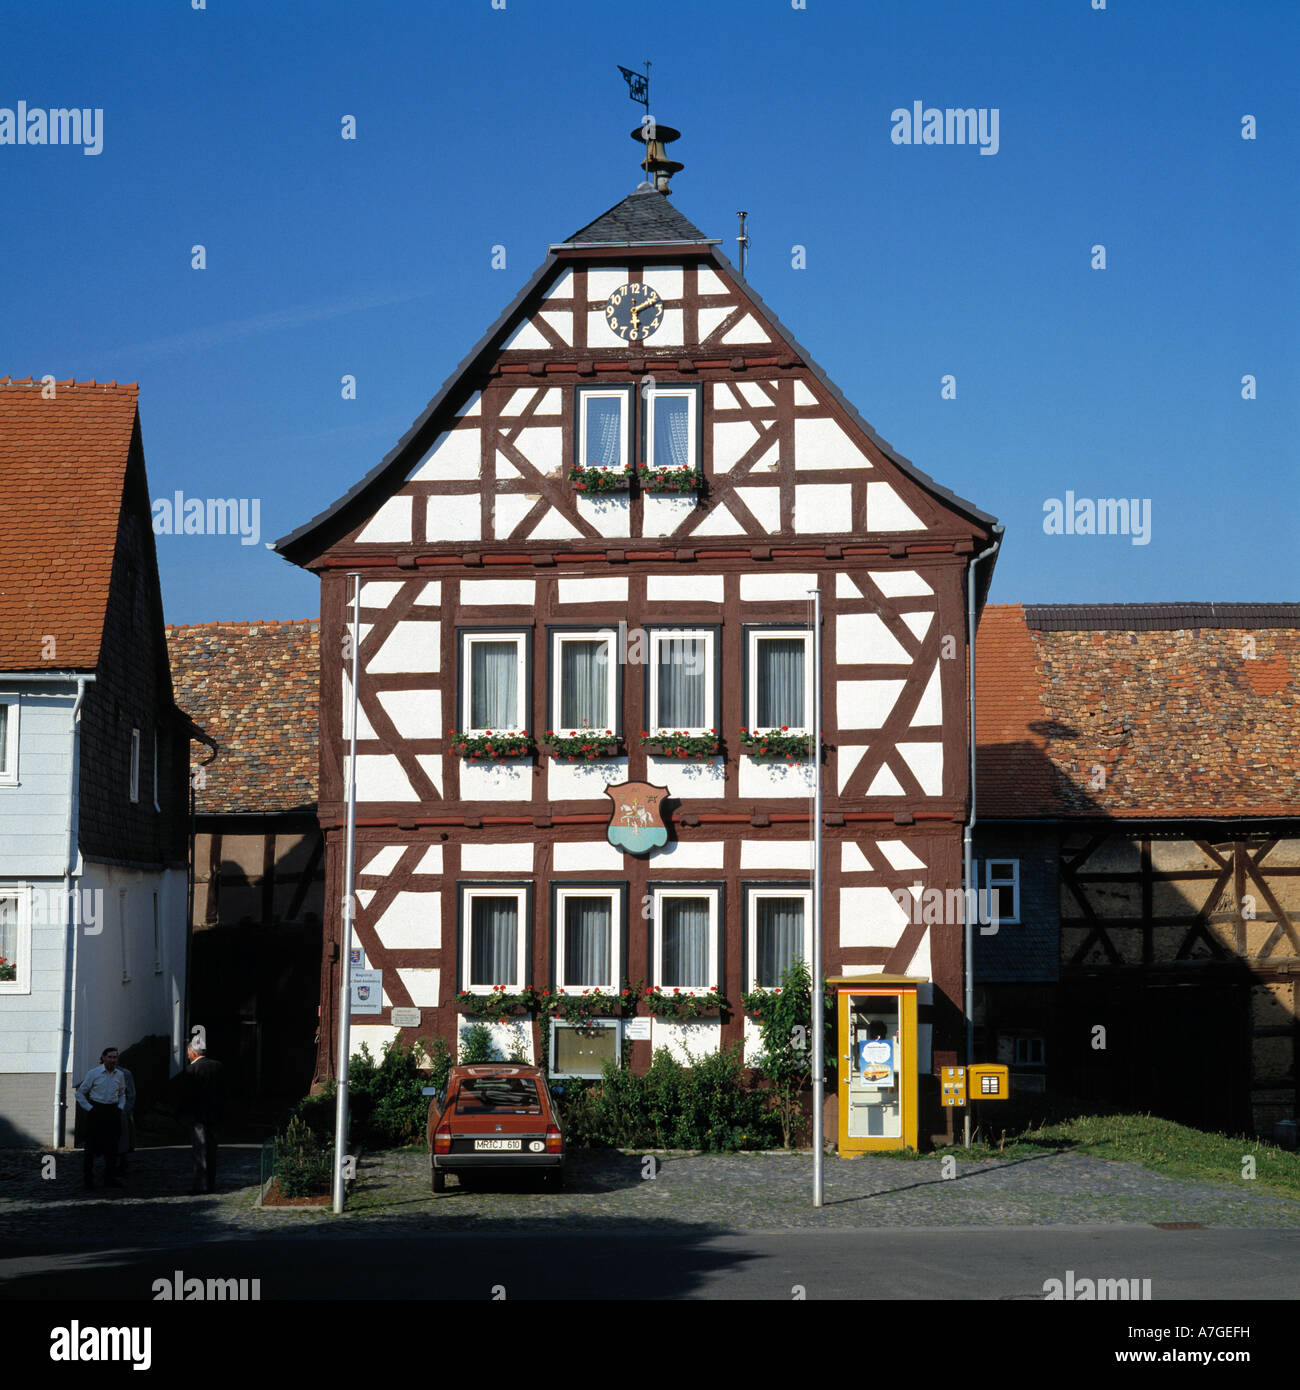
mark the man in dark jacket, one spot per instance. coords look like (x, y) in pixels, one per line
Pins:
(203, 1099)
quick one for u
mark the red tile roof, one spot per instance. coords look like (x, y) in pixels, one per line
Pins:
(1153, 722)
(63, 457)
(254, 687)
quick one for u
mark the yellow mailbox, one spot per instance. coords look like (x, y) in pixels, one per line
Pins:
(989, 1081)
(877, 1061)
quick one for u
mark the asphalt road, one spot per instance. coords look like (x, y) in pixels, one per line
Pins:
(953, 1263)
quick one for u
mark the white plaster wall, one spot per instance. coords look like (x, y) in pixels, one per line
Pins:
(926, 761)
(886, 510)
(378, 865)
(412, 922)
(422, 983)
(703, 588)
(508, 781)
(514, 1036)
(899, 855)
(700, 1038)
(866, 704)
(375, 1036)
(410, 647)
(582, 856)
(496, 859)
(392, 522)
(662, 515)
(847, 759)
(899, 583)
(769, 588)
(863, 638)
(688, 777)
(488, 592)
(380, 778)
(415, 713)
(870, 917)
(592, 590)
(823, 507)
(583, 781)
(692, 854)
(456, 455)
(929, 708)
(431, 863)
(795, 855)
(821, 443)
(542, 446)
(431, 594)
(765, 503)
(731, 440)
(762, 777)
(611, 515)
(454, 517)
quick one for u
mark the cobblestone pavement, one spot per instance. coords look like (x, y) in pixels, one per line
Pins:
(740, 1192)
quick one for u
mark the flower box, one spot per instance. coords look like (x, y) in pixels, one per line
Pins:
(582, 747)
(498, 1004)
(595, 480)
(681, 1006)
(669, 744)
(491, 747)
(681, 481)
(586, 1006)
(776, 743)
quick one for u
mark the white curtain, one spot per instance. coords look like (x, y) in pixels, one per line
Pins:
(584, 684)
(494, 692)
(672, 432)
(682, 683)
(684, 923)
(780, 682)
(9, 929)
(493, 943)
(604, 428)
(588, 927)
(779, 933)
(4, 738)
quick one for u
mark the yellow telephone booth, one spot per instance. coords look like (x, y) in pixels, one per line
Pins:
(877, 1061)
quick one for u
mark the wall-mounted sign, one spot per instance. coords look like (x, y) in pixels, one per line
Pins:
(357, 957)
(636, 824)
(637, 1030)
(406, 1018)
(367, 991)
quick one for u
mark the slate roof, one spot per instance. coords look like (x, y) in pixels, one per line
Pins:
(62, 473)
(1186, 722)
(255, 688)
(643, 218)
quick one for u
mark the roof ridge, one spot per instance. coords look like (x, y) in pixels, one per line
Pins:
(241, 622)
(70, 382)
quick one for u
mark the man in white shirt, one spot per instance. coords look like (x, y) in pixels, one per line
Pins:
(102, 1095)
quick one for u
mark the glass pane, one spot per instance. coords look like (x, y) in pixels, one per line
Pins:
(493, 690)
(4, 738)
(685, 926)
(587, 929)
(672, 440)
(585, 1051)
(602, 446)
(780, 682)
(493, 929)
(8, 938)
(495, 1095)
(779, 933)
(584, 685)
(682, 682)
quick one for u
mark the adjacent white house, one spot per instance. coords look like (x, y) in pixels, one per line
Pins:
(94, 756)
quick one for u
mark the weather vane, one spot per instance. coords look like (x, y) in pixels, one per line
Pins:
(638, 86)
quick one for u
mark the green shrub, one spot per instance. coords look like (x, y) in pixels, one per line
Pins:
(304, 1163)
(386, 1104)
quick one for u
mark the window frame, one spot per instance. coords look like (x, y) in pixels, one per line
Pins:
(755, 633)
(133, 789)
(752, 891)
(686, 888)
(695, 392)
(990, 884)
(465, 638)
(616, 891)
(1028, 1038)
(22, 981)
(616, 1024)
(627, 392)
(466, 890)
(555, 636)
(12, 700)
(713, 667)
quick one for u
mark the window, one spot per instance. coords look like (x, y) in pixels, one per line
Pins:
(121, 934)
(682, 679)
(584, 682)
(588, 927)
(604, 427)
(777, 932)
(585, 1049)
(1002, 878)
(498, 1095)
(8, 739)
(135, 764)
(672, 427)
(493, 946)
(779, 678)
(15, 941)
(494, 682)
(686, 937)
(1029, 1052)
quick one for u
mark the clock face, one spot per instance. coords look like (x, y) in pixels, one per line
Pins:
(634, 312)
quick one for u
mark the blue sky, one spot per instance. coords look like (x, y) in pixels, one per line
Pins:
(479, 126)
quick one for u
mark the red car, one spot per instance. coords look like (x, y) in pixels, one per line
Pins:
(495, 1116)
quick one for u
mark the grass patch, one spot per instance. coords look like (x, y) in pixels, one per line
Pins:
(1171, 1149)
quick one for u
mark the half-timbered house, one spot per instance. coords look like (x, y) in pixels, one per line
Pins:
(1138, 816)
(515, 581)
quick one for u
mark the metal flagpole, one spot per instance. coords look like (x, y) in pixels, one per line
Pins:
(349, 879)
(818, 1002)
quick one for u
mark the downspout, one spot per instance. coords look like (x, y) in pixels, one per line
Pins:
(61, 1057)
(969, 899)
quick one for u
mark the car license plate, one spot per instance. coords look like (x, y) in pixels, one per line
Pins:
(496, 1145)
